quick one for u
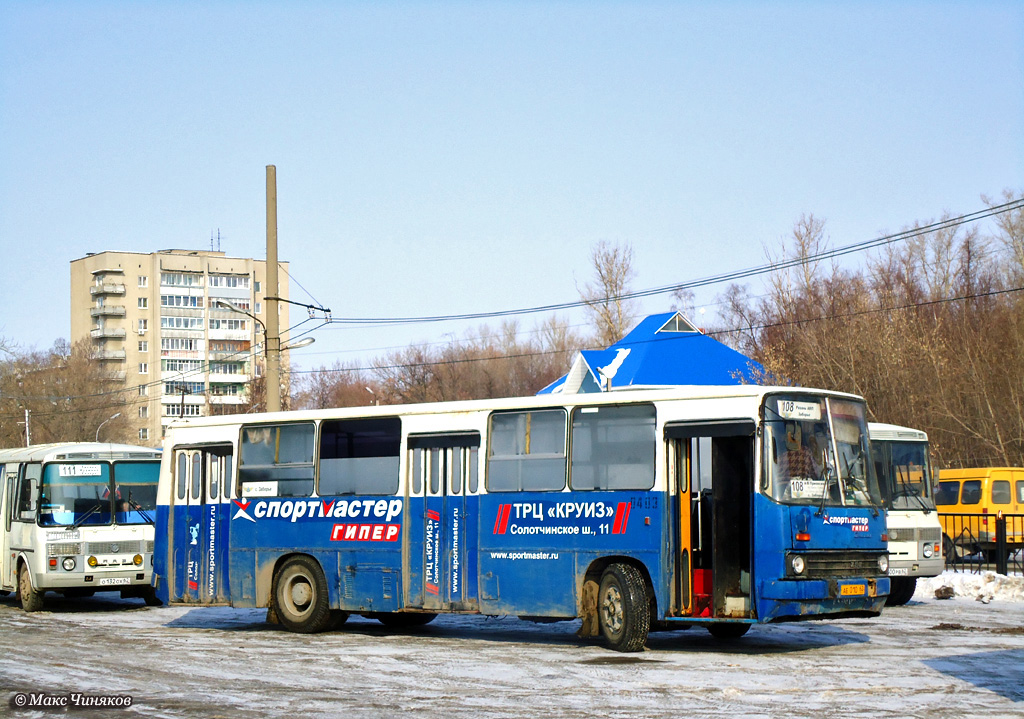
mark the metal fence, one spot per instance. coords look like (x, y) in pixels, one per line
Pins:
(979, 542)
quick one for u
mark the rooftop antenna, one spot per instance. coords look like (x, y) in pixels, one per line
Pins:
(218, 239)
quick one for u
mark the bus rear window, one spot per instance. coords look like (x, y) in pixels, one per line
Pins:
(948, 492)
(279, 456)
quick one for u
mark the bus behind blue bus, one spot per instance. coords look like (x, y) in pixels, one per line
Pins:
(709, 506)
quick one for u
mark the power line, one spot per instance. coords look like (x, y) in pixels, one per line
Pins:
(714, 279)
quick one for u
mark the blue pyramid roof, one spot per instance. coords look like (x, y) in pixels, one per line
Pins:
(664, 349)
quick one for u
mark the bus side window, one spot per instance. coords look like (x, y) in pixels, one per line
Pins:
(182, 467)
(613, 448)
(197, 475)
(29, 491)
(281, 454)
(360, 456)
(527, 451)
(1020, 491)
(1001, 492)
(971, 493)
(947, 491)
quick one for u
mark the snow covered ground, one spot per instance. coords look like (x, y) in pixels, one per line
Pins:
(962, 656)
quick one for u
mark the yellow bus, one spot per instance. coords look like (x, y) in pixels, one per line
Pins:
(983, 492)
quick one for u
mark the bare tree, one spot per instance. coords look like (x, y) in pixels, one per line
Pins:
(612, 312)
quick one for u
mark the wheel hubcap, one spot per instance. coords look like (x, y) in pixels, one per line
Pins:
(611, 610)
(301, 594)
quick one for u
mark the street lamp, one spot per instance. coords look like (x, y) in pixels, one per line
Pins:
(273, 350)
(103, 423)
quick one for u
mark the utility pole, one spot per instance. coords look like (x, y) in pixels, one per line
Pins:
(273, 337)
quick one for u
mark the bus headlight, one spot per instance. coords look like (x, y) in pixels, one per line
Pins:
(927, 551)
(68, 564)
(883, 563)
(138, 560)
(797, 563)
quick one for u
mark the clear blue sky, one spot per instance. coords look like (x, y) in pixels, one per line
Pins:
(440, 158)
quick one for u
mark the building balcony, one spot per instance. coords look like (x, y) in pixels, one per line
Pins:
(189, 399)
(107, 333)
(228, 399)
(113, 376)
(107, 288)
(240, 335)
(229, 378)
(116, 355)
(107, 311)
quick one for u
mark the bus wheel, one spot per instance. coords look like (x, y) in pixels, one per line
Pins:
(300, 596)
(901, 590)
(404, 619)
(728, 631)
(149, 596)
(31, 599)
(623, 609)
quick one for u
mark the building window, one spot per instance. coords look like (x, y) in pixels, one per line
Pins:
(256, 285)
(241, 281)
(181, 279)
(143, 281)
(143, 303)
(143, 326)
(143, 345)
(144, 411)
(181, 301)
(144, 434)
(216, 324)
(143, 390)
(143, 368)
(259, 308)
(175, 410)
(186, 387)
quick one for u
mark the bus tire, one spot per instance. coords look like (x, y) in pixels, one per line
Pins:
(150, 598)
(901, 591)
(403, 620)
(623, 609)
(728, 630)
(31, 599)
(300, 596)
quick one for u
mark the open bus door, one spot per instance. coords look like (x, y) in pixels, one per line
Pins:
(200, 524)
(712, 472)
(441, 566)
(7, 560)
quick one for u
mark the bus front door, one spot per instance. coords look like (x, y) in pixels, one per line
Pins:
(7, 563)
(200, 525)
(441, 535)
(712, 465)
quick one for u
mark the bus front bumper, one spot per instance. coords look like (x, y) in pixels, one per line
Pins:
(822, 598)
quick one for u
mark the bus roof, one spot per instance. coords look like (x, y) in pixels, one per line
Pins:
(77, 451)
(879, 430)
(618, 396)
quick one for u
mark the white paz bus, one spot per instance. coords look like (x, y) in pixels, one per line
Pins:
(77, 518)
(901, 460)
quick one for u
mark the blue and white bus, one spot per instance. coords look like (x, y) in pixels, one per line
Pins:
(77, 518)
(629, 509)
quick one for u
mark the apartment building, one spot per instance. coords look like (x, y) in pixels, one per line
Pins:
(182, 331)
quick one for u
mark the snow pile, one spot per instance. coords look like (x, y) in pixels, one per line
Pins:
(984, 586)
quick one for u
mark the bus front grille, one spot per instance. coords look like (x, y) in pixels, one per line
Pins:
(130, 547)
(829, 565)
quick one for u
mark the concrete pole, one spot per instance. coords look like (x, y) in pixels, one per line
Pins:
(273, 338)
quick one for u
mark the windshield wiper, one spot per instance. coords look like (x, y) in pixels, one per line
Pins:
(139, 509)
(828, 472)
(95, 508)
(905, 490)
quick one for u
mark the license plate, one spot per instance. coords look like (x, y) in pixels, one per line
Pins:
(898, 572)
(107, 581)
(852, 590)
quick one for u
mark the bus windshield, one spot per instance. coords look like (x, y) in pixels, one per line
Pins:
(75, 494)
(817, 452)
(135, 492)
(85, 493)
(904, 474)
